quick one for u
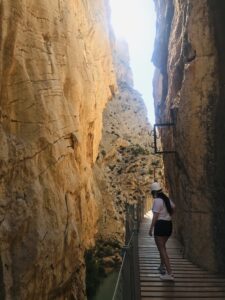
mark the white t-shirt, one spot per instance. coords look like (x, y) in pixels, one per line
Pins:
(160, 207)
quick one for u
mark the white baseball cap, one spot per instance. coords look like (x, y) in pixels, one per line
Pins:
(155, 186)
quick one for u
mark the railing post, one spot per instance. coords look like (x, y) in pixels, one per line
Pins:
(136, 274)
(126, 275)
(132, 281)
(142, 208)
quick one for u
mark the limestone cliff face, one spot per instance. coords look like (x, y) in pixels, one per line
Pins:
(189, 90)
(125, 165)
(56, 77)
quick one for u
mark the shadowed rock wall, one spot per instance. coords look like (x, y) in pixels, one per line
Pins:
(217, 9)
(56, 77)
(189, 90)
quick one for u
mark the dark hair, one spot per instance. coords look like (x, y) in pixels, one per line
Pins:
(166, 200)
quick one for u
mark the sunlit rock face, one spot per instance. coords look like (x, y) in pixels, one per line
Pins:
(189, 90)
(125, 164)
(56, 77)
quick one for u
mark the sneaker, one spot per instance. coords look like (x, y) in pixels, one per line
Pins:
(162, 269)
(167, 277)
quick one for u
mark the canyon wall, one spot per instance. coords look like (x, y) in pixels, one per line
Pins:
(189, 92)
(56, 77)
(125, 166)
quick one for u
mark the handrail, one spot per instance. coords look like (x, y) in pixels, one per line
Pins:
(122, 265)
(126, 247)
(128, 244)
(119, 277)
(128, 286)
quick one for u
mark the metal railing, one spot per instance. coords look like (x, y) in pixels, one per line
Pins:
(128, 282)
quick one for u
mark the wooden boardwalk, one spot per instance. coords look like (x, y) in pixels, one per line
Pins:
(191, 282)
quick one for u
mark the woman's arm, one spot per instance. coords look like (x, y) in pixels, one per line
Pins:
(155, 218)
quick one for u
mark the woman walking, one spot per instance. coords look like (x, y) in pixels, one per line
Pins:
(163, 208)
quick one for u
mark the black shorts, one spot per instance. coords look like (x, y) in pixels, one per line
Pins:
(163, 228)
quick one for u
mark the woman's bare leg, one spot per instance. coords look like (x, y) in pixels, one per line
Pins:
(161, 245)
(158, 246)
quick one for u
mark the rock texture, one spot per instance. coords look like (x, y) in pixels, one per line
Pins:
(125, 165)
(189, 90)
(56, 77)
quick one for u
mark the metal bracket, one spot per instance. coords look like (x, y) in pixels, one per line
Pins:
(155, 138)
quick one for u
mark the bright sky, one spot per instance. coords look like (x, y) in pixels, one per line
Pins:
(135, 21)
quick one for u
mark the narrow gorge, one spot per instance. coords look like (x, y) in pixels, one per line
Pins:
(76, 146)
(60, 192)
(124, 167)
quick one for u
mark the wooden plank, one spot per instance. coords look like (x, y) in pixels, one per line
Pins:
(183, 288)
(174, 297)
(156, 261)
(181, 273)
(182, 283)
(192, 298)
(180, 276)
(175, 267)
(182, 279)
(175, 271)
(182, 295)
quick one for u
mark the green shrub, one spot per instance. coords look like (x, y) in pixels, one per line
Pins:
(150, 171)
(103, 152)
(139, 150)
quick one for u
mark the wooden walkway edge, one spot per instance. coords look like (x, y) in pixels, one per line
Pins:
(191, 282)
